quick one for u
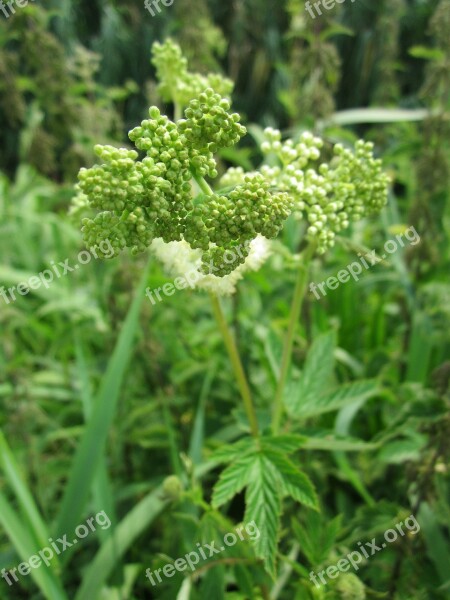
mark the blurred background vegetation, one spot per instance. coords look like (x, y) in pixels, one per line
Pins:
(76, 73)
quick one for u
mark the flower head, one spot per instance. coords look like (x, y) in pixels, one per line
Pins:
(180, 260)
(156, 196)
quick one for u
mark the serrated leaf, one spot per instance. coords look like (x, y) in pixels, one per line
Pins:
(294, 482)
(315, 377)
(284, 443)
(338, 398)
(213, 583)
(305, 541)
(232, 480)
(316, 536)
(400, 451)
(268, 475)
(263, 506)
(229, 452)
(244, 580)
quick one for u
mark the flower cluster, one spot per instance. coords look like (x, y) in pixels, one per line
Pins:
(176, 83)
(142, 200)
(180, 259)
(158, 194)
(327, 196)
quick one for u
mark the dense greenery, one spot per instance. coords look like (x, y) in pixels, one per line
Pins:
(185, 395)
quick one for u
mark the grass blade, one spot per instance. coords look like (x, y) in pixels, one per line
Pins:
(133, 525)
(26, 546)
(26, 501)
(101, 486)
(90, 450)
(198, 431)
(130, 528)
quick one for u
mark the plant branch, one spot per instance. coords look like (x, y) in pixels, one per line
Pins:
(296, 307)
(203, 185)
(285, 573)
(236, 363)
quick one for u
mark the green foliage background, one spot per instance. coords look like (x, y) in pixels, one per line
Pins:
(103, 395)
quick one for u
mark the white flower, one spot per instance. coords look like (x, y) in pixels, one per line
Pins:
(182, 261)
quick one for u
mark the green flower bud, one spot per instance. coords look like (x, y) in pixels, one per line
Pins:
(172, 487)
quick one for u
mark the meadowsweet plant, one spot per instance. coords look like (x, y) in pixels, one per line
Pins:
(165, 196)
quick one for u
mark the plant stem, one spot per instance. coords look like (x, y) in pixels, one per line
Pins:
(285, 572)
(178, 111)
(296, 307)
(230, 342)
(203, 185)
(236, 363)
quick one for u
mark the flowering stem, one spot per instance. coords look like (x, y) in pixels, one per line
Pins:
(203, 185)
(296, 307)
(233, 353)
(230, 342)
(178, 111)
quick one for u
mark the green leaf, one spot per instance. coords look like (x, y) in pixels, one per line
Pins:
(426, 53)
(342, 396)
(294, 482)
(91, 447)
(102, 493)
(213, 584)
(126, 532)
(232, 480)
(331, 443)
(437, 546)
(244, 581)
(230, 452)
(288, 443)
(263, 506)
(30, 512)
(400, 451)
(335, 29)
(420, 348)
(26, 546)
(267, 475)
(198, 431)
(315, 377)
(316, 536)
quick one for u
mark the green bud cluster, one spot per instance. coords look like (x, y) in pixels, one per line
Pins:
(176, 83)
(237, 217)
(116, 190)
(172, 487)
(348, 587)
(223, 261)
(139, 200)
(150, 193)
(208, 125)
(328, 196)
